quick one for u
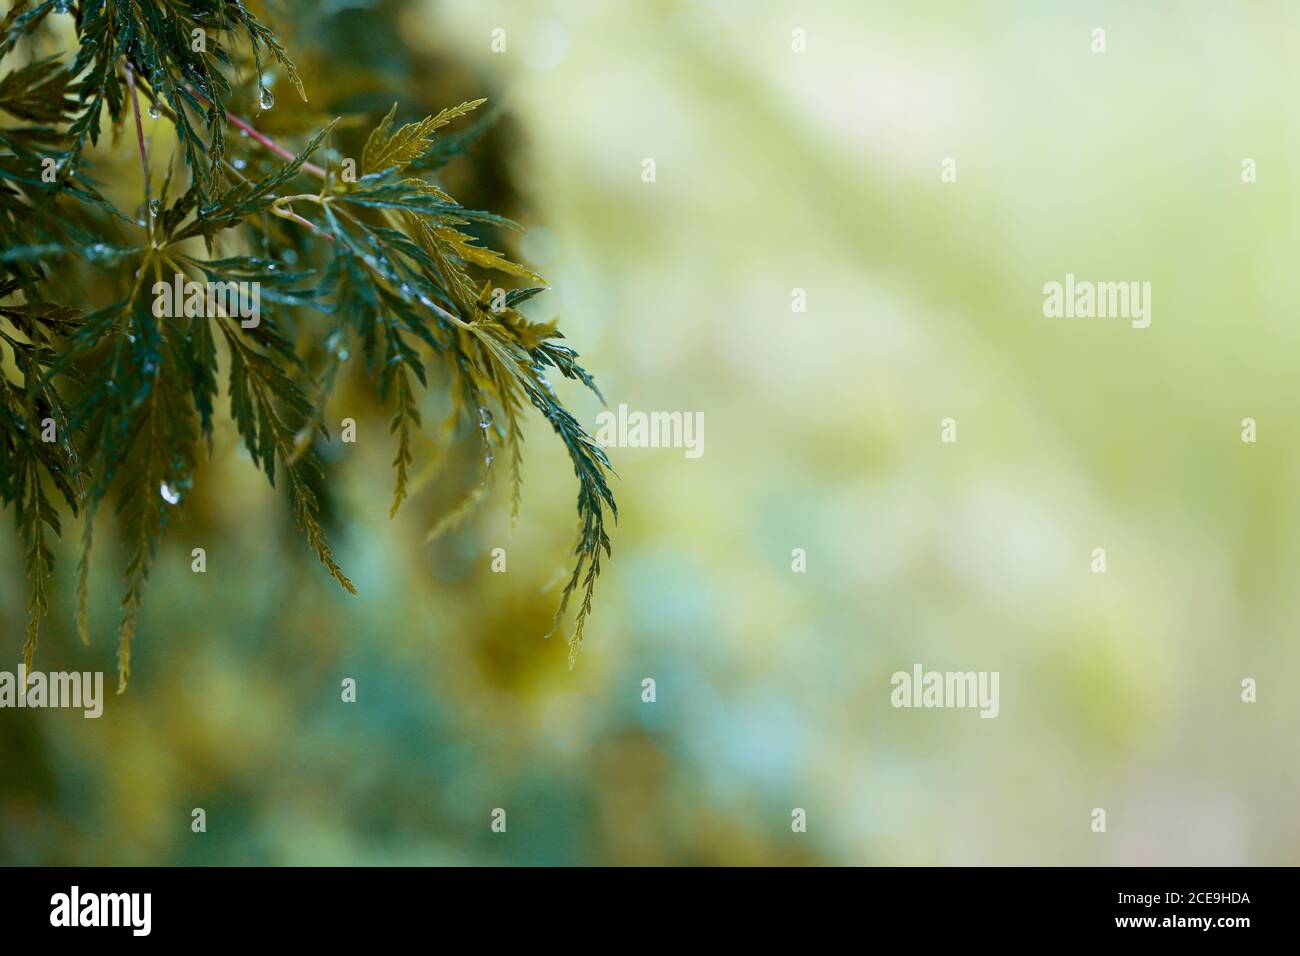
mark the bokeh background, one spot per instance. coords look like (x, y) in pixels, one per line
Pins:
(776, 170)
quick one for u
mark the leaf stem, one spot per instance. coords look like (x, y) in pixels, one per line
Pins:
(281, 208)
(139, 139)
(262, 138)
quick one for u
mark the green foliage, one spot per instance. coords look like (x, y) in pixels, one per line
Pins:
(384, 263)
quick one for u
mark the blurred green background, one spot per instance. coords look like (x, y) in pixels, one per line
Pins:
(776, 170)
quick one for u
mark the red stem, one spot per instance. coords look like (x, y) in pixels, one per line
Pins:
(265, 140)
(139, 139)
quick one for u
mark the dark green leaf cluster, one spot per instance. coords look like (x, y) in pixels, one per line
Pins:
(107, 401)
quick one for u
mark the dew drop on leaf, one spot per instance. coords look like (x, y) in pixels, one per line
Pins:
(266, 99)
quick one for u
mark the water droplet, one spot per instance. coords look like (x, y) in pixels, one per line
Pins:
(487, 461)
(266, 98)
(154, 112)
(484, 417)
(169, 494)
(290, 256)
(155, 206)
(239, 163)
(539, 370)
(336, 344)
